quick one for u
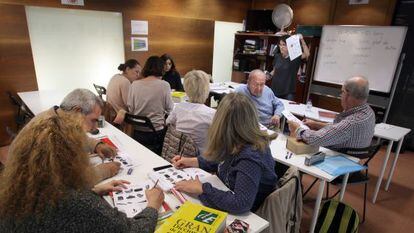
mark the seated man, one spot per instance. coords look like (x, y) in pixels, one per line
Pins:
(352, 128)
(89, 105)
(268, 106)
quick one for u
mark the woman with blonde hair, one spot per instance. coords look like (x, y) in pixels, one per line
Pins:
(239, 152)
(194, 117)
(46, 185)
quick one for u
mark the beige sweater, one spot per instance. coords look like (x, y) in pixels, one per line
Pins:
(150, 97)
(117, 92)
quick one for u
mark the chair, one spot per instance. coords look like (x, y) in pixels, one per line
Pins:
(283, 207)
(337, 217)
(23, 114)
(361, 177)
(153, 140)
(100, 90)
(176, 142)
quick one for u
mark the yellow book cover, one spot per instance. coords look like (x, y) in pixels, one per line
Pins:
(194, 218)
(178, 94)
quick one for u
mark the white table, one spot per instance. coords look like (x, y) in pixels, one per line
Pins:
(38, 101)
(278, 148)
(393, 134)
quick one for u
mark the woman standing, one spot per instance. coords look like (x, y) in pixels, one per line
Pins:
(285, 70)
(238, 151)
(46, 185)
(171, 74)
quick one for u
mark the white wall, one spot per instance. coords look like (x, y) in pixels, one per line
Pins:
(223, 49)
(74, 48)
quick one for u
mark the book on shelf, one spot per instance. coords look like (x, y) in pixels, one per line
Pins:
(191, 217)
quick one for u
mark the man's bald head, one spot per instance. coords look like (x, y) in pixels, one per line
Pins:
(256, 82)
(357, 87)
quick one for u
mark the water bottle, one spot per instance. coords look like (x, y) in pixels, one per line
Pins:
(309, 105)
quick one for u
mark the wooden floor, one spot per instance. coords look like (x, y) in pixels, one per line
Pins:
(394, 209)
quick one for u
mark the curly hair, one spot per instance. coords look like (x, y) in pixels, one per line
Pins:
(46, 159)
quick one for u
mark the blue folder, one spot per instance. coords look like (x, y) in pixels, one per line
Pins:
(338, 165)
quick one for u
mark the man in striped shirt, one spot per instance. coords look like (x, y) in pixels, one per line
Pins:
(352, 128)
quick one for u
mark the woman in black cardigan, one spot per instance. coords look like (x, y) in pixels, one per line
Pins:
(171, 74)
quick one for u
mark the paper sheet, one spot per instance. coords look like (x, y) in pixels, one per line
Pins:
(290, 117)
(293, 46)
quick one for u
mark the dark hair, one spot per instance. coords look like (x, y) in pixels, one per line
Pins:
(153, 66)
(131, 63)
(283, 38)
(166, 57)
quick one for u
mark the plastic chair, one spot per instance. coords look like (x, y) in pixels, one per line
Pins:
(100, 90)
(23, 114)
(337, 217)
(143, 137)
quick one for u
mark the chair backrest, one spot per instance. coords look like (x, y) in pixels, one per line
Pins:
(100, 90)
(338, 217)
(176, 143)
(364, 153)
(140, 121)
(23, 114)
(283, 208)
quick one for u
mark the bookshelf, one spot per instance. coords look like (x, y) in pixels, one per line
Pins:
(252, 51)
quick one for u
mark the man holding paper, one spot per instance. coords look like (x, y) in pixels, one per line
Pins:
(352, 128)
(268, 106)
(286, 65)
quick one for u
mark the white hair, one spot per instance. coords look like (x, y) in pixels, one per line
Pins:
(82, 98)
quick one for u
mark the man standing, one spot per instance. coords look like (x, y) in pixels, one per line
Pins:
(269, 107)
(352, 128)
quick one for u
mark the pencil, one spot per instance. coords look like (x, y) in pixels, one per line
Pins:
(156, 182)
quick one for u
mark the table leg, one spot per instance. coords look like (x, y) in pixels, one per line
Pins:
(397, 153)
(384, 165)
(317, 205)
(343, 187)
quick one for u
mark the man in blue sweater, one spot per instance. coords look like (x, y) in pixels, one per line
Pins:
(268, 106)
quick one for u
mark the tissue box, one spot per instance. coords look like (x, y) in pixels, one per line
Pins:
(299, 147)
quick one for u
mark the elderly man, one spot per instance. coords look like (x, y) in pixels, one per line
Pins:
(90, 106)
(353, 128)
(268, 105)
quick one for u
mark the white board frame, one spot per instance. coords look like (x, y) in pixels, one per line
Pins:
(370, 51)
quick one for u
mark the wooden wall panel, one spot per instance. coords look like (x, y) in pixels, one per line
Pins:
(320, 12)
(375, 13)
(16, 62)
(189, 41)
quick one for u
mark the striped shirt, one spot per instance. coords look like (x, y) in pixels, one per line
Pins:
(351, 129)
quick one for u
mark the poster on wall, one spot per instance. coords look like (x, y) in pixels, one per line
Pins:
(139, 43)
(73, 2)
(139, 27)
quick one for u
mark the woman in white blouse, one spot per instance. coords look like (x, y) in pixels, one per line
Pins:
(194, 117)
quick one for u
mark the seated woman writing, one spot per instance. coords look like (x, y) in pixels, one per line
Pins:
(47, 184)
(239, 152)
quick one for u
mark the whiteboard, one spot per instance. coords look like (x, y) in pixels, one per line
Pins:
(74, 48)
(370, 51)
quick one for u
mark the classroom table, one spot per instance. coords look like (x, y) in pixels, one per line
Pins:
(143, 158)
(392, 133)
(278, 148)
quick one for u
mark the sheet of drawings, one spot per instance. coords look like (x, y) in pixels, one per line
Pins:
(169, 176)
(123, 158)
(132, 200)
